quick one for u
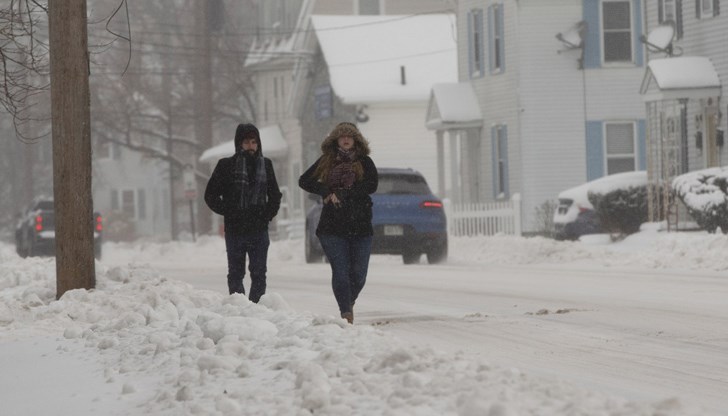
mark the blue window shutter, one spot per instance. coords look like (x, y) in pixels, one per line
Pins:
(503, 148)
(641, 145)
(491, 58)
(471, 64)
(679, 18)
(594, 150)
(639, 49)
(501, 29)
(660, 12)
(494, 159)
(499, 143)
(481, 47)
(592, 44)
(501, 34)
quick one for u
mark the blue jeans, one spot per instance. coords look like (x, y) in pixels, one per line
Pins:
(349, 259)
(255, 246)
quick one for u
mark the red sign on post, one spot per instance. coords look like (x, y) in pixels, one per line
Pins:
(190, 184)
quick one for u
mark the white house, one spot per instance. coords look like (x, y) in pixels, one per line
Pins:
(131, 192)
(384, 67)
(557, 84)
(683, 94)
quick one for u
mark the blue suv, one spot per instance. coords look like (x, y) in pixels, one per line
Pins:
(408, 220)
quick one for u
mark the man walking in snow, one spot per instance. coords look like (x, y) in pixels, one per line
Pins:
(243, 189)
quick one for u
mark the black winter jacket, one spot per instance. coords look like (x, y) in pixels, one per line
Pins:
(354, 216)
(222, 196)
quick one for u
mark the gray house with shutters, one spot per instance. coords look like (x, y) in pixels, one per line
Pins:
(557, 87)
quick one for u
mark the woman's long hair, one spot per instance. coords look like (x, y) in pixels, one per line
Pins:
(330, 146)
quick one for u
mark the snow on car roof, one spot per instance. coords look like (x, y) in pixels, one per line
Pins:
(604, 185)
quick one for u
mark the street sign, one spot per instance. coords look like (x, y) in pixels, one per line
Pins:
(189, 182)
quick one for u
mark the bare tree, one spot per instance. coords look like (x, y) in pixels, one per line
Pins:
(70, 108)
(23, 61)
(154, 107)
(143, 68)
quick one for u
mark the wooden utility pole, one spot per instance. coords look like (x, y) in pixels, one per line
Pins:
(203, 98)
(71, 130)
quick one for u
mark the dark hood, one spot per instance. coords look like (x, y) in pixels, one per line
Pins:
(244, 130)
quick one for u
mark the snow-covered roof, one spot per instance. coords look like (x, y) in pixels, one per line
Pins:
(453, 104)
(272, 143)
(365, 55)
(262, 53)
(285, 46)
(680, 77)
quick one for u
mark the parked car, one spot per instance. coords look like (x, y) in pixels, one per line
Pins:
(408, 220)
(575, 216)
(35, 233)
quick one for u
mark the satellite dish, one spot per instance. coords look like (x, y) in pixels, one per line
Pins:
(574, 37)
(660, 38)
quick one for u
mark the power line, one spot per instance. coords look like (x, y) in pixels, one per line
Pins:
(276, 31)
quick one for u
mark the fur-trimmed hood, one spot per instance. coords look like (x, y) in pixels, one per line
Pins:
(330, 145)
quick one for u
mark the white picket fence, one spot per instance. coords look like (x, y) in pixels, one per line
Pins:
(487, 218)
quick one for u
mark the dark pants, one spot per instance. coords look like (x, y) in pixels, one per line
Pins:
(255, 246)
(349, 259)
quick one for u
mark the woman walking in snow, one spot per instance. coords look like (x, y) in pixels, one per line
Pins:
(344, 176)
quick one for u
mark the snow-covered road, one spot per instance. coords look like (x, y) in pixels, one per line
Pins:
(638, 333)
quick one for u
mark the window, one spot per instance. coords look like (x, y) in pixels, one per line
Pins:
(617, 31)
(671, 11)
(499, 137)
(707, 8)
(405, 184)
(114, 200)
(668, 11)
(620, 147)
(475, 42)
(106, 149)
(127, 203)
(496, 47)
(142, 204)
(102, 150)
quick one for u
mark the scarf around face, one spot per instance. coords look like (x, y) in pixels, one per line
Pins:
(342, 175)
(253, 187)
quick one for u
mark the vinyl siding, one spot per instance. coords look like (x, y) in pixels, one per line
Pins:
(552, 105)
(398, 138)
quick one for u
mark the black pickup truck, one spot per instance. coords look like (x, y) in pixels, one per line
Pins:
(35, 233)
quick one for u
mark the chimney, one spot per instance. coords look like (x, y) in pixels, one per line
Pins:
(402, 75)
